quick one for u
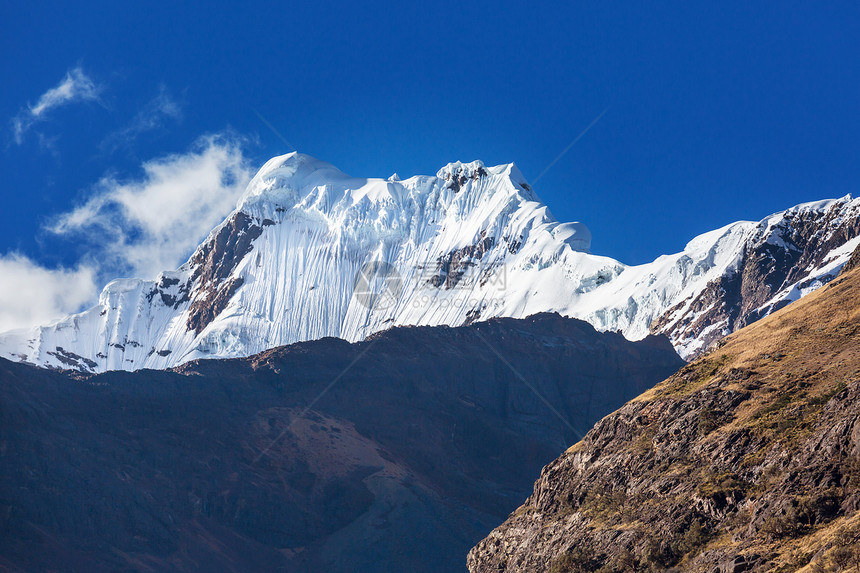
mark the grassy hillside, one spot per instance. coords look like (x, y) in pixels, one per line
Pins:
(747, 459)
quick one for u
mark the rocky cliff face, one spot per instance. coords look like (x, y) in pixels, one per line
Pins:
(394, 454)
(747, 459)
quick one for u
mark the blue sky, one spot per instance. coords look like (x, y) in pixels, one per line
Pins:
(715, 112)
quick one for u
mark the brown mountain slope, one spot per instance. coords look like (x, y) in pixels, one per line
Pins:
(745, 460)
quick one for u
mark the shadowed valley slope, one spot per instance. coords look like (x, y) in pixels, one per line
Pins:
(426, 440)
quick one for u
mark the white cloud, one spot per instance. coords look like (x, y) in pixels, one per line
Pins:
(75, 87)
(154, 115)
(31, 294)
(135, 227)
(144, 226)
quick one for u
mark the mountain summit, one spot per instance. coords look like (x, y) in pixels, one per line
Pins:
(311, 252)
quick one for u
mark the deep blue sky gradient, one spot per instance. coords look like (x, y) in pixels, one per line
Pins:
(717, 112)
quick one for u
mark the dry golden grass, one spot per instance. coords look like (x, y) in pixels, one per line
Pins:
(791, 363)
(816, 338)
(818, 355)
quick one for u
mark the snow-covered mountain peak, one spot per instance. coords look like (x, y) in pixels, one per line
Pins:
(463, 201)
(300, 169)
(299, 259)
(287, 179)
(300, 180)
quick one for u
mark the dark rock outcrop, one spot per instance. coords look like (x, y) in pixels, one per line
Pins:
(458, 177)
(394, 454)
(213, 262)
(454, 266)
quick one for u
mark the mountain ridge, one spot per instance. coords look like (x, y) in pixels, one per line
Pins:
(471, 243)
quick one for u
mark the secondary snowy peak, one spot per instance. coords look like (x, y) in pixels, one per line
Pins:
(731, 277)
(780, 259)
(311, 252)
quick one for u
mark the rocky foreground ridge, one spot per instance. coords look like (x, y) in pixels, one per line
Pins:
(747, 459)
